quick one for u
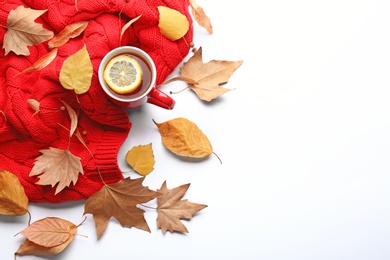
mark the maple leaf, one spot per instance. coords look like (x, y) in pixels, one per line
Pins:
(13, 199)
(208, 75)
(70, 31)
(47, 236)
(171, 209)
(23, 31)
(141, 159)
(57, 166)
(119, 200)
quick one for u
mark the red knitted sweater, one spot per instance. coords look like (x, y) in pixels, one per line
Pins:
(104, 125)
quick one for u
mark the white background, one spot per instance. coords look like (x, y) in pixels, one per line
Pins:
(304, 138)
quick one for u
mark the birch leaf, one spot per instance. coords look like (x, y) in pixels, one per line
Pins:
(173, 24)
(76, 72)
(200, 16)
(42, 62)
(184, 138)
(70, 31)
(141, 159)
(13, 199)
(23, 31)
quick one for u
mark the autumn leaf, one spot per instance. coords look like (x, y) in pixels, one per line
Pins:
(42, 62)
(208, 75)
(34, 104)
(171, 208)
(47, 236)
(70, 31)
(73, 118)
(23, 31)
(13, 199)
(141, 159)
(184, 138)
(119, 200)
(127, 25)
(57, 166)
(200, 16)
(172, 24)
(76, 72)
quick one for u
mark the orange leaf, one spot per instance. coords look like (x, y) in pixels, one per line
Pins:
(42, 62)
(200, 16)
(13, 199)
(208, 75)
(57, 166)
(141, 159)
(171, 209)
(119, 200)
(23, 31)
(70, 31)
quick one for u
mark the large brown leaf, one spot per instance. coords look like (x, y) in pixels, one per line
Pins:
(171, 208)
(23, 31)
(209, 76)
(119, 200)
(13, 199)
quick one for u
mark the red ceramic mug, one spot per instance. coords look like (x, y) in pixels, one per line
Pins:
(147, 93)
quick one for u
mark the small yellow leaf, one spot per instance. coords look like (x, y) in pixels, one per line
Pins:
(184, 138)
(141, 159)
(76, 72)
(172, 23)
(13, 199)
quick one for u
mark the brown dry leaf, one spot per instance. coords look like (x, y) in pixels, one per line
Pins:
(208, 75)
(200, 16)
(34, 104)
(23, 31)
(13, 199)
(119, 200)
(57, 166)
(70, 31)
(76, 72)
(127, 25)
(73, 118)
(171, 208)
(42, 62)
(184, 138)
(172, 23)
(48, 236)
(141, 159)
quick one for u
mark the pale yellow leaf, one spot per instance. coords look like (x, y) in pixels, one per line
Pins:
(13, 199)
(141, 159)
(76, 72)
(173, 24)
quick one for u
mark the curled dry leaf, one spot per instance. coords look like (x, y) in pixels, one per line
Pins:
(23, 31)
(171, 208)
(127, 25)
(184, 138)
(73, 118)
(173, 24)
(34, 104)
(42, 62)
(76, 72)
(57, 166)
(48, 236)
(200, 16)
(13, 199)
(70, 31)
(141, 159)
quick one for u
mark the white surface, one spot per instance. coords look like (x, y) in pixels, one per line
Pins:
(304, 139)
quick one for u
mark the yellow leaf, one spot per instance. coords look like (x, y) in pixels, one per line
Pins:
(141, 159)
(172, 23)
(184, 138)
(76, 72)
(13, 199)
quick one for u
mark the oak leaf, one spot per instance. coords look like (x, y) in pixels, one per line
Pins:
(13, 199)
(57, 166)
(172, 24)
(171, 208)
(141, 159)
(200, 16)
(23, 31)
(208, 75)
(76, 72)
(70, 31)
(184, 138)
(119, 200)
(47, 236)
(42, 62)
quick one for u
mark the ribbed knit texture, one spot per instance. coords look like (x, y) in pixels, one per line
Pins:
(103, 125)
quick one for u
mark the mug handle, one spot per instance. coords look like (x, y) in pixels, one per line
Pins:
(159, 98)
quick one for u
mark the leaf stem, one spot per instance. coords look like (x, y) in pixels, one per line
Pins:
(218, 157)
(143, 205)
(177, 92)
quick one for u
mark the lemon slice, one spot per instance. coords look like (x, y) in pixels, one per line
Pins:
(123, 74)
